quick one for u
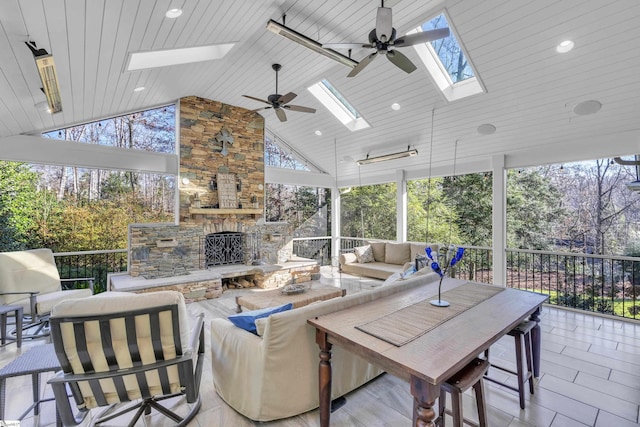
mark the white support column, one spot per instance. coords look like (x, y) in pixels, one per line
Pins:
(335, 225)
(499, 220)
(401, 206)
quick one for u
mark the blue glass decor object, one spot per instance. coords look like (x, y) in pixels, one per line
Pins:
(441, 261)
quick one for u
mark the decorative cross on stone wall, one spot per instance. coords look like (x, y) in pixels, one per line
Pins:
(224, 137)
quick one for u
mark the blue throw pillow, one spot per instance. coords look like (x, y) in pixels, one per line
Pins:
(247, 320)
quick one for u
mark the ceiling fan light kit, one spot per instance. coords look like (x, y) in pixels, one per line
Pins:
(399, 155)
(281, 102)
(383, 38)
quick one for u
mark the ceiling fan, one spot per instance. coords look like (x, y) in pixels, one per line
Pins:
(279, 103)
(383, 37)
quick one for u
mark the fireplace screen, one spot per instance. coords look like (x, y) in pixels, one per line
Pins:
(223, 249)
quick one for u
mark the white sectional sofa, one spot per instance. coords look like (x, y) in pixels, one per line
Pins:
(388, 258)
(274, 374)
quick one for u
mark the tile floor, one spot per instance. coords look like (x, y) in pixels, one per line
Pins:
(590, 377)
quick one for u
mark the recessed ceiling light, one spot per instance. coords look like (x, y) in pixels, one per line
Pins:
(139, 89)
(318, 132)
(587, 107)
(173, 13)
(166, 57)
(565, 46)
(486, 129)
(395, 106)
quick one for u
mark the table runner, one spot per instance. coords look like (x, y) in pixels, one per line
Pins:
(408, 323)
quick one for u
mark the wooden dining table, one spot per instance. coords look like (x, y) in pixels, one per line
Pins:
(425, 345)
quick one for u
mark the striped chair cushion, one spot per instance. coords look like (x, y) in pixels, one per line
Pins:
(115, 342)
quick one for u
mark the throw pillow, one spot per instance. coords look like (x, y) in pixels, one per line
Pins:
(364, 254)
(397, 253)
(378, 250)
(247, 320)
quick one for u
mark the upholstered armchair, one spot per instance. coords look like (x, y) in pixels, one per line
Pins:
(30, 279)
(120, 347)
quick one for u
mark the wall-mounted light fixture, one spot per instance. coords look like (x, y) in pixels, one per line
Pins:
(384, 158)
(305, 41)
(48, 76)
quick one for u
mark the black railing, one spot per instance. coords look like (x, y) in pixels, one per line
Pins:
(94, 264)
(317, 248)
(596, 283)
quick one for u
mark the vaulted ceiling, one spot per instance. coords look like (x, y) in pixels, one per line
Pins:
(531, 90)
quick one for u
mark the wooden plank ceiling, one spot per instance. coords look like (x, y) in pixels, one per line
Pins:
(531, 90)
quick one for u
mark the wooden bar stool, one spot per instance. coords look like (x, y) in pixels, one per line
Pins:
(521, 333)
(470, 376)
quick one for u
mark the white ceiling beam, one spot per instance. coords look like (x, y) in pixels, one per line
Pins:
(34, 149)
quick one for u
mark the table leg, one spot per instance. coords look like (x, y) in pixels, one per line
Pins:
(424, 396)
(19, 313)
(324, 378)
(239, 307)
(536, 337)
(35, 384)
(3, 328)
(3, 384)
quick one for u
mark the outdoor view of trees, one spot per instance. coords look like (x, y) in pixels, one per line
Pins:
(573, 208)
(76, 209)
(581, 207)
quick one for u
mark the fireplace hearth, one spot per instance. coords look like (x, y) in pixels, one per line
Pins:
(223, 248)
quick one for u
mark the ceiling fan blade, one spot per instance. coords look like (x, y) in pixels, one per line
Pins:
(362, 64)
(384, 27)
(281, 115)
(423, 37)
(256, 99)
(287, 98)
(401, 61)
(299, 108)
(260, 109)
(346, 45)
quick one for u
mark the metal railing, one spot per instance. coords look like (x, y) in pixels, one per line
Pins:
(318, 248)
(94, 264)
(596, 283)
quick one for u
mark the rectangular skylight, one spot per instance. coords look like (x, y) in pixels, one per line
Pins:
(166, 57)
(447, 63)
(333, 100)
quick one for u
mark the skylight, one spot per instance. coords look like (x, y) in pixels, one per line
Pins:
(166, 57)
(333, 100)
(447, 62)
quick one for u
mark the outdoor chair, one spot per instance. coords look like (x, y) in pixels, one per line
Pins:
(127, 352)
(30, 279)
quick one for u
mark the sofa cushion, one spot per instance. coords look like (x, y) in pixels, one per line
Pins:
(377, 270)
(364, 254)
(247, 320)
(378, 250)
(397, 253)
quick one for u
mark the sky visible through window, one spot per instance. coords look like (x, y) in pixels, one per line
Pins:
(449, 52)
(340, 98)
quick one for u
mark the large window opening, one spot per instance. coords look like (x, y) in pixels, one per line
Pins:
(69, 208)
(369, 212)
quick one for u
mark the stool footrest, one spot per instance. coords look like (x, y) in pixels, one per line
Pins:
(464, 420)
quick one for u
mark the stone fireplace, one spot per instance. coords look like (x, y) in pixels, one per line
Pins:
(216, 140)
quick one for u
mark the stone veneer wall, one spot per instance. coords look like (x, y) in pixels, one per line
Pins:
(165, 250)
